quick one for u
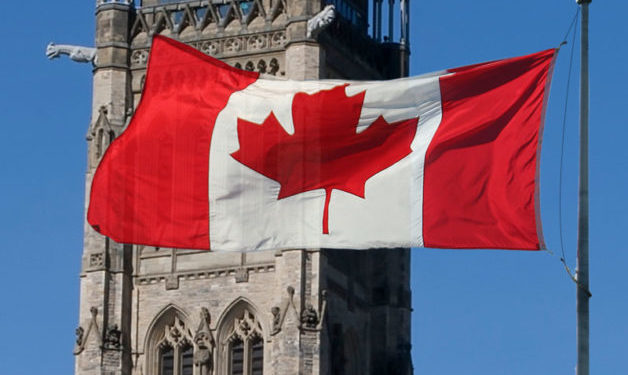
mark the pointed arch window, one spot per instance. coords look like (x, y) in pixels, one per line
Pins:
(176, 352)
(170, 347)
(100, 135)
(243, 343)
(257, 356)
(100, 143)
(187, 360)
(166, 360)
(236, 351)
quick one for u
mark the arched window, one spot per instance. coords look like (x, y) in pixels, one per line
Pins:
(261, 66)
(166, 360)
(100, 143)
(257, 356)
(169, 345)
(242, 342)
(236, 351)
(187, 360)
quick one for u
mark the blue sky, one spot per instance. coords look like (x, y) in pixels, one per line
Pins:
(488, 312)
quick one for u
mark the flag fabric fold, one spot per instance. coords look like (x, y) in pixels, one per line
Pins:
(223, 159)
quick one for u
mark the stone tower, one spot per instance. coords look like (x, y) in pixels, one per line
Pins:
(157, 311)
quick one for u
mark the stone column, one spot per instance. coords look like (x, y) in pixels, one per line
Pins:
(288, 345)
(106, 268)
(305, 59)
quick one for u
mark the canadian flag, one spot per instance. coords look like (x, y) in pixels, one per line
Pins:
(223, 159)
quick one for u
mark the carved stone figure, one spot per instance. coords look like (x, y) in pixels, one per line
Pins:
(79, 336)
(82, 335)
(276, 311)
(309, 317)
(204, 340)
(203, 358)
(280, 312)
(320, 21)
(76, 53)
(113, 336)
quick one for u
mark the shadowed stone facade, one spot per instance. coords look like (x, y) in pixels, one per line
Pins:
(151, 311)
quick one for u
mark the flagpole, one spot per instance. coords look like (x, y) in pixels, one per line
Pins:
(582, 271)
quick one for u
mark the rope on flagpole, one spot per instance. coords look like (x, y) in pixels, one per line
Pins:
(572, 26)
(574, 22)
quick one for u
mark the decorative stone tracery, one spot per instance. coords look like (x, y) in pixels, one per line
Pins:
(245, 328)
(232, 45)
(263, 66)
(210, 48)
(241, 340)
(176, 335)
(101, 133)
(139, 57)
(256, 42)
(169, 342)
(203, 15)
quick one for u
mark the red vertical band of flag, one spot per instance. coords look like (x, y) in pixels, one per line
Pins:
(481, 168)
(151, 186)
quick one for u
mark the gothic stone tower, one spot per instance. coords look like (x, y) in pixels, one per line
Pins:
(157, 311)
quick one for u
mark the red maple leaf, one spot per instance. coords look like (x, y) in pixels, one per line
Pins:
(325, 151)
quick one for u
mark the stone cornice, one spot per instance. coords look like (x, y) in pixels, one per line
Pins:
(112, 44)
(112, 6)
(203, 274)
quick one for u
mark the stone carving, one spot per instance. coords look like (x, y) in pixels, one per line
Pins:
(276, 311)
(233, 45)
(76, 53)
(245, 329)
(257, 42)
(241, 275)
(279, 312)
(320, 21)
(113, 337)
(79, 335)
(261, 66)
(273, 67)
(172, 282)
(204, 340)
(311, 319)
(101, 133)
(96, 260)
(176, 335)
(139, 57)
(278, 39)
(82, 336)
(210, 48)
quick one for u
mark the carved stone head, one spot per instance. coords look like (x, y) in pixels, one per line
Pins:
(201, 340)
(52, 51)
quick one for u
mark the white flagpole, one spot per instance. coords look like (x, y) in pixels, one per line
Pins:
(582, 271)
